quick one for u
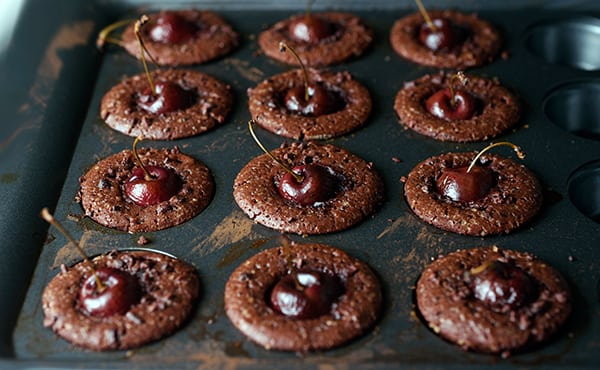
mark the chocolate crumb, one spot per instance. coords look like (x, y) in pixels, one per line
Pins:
(142, 240)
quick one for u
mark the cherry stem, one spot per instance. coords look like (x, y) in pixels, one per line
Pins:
(425, 15)
(298, 177)
(481, 268)
(460, 76)
(104, 35)
(283, 47)
(47, 216)
(143, 50)
(147, 175)
(518, 150)
(308, 6)
(285, 244)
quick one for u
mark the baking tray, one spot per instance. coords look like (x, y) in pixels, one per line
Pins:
(53, 134)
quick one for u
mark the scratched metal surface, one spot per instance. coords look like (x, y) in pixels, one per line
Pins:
(57, 134)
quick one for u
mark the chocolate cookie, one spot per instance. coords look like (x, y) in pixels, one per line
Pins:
(348, 37)
(103, 198)
(169, 291)
(208, 103)
(350, 316)
(497, 109)
(492, 300)
(358, 191)
(514, 199)
(268, 108)
(479, 41)
(203, 36)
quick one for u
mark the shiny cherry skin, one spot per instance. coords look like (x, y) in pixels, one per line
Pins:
(121, 291)
(169, 97)
(501, 285)
(321, 100)
(441, 105)
(311, 29)
(319, 184)
(145, 192)
(172, 28)
(444, 36)
(462, 186)
(305, 294)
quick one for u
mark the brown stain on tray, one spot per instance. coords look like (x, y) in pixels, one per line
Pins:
(92, 242)
(68, 36)
(245, 69)
(232, 229)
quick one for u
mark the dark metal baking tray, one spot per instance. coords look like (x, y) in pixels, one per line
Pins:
(52, 133)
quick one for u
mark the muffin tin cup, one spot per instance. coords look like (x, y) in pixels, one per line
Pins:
(572, 42)
(574, 107)
(584, 189)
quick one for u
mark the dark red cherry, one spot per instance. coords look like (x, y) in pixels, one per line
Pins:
(318, 184)
(442, 105)
(311, 29)
(462, 186)
(145, 192)
(305, 294)
(121, 291)
(172, 28)
(169, 97)
(501, 284)
(320, 101)
(443, 36)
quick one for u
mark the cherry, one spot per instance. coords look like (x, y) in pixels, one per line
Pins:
(305, 184)
(169, 97)
(462, 186)
(500, 284)
(467, 184)
(107, 291)
(172, 28)
(321, 101)
(443, 34)
(311, 29)
(144, 191)
(312, 99)
(120, 291)
(316, 184)
(305, 294)
(451, 105)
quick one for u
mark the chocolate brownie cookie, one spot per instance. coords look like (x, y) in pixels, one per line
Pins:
(349, 37)
(492, 300)
(359, 190)
(169, 288)
(203, 36)
(209, 102)
(497, 109)
(514, 198)
(350, 316)
(267, 106)
(480, 43)
(103, 198)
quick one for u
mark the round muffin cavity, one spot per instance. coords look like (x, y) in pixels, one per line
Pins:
(446, 300)
(360, 194)
(350, 317)
(350, 39)
(170, 288)
(498, 109)
(266, 103)
(212, 100)
(481, 45)
(213, 38)
(103, 198)
(515, 198)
